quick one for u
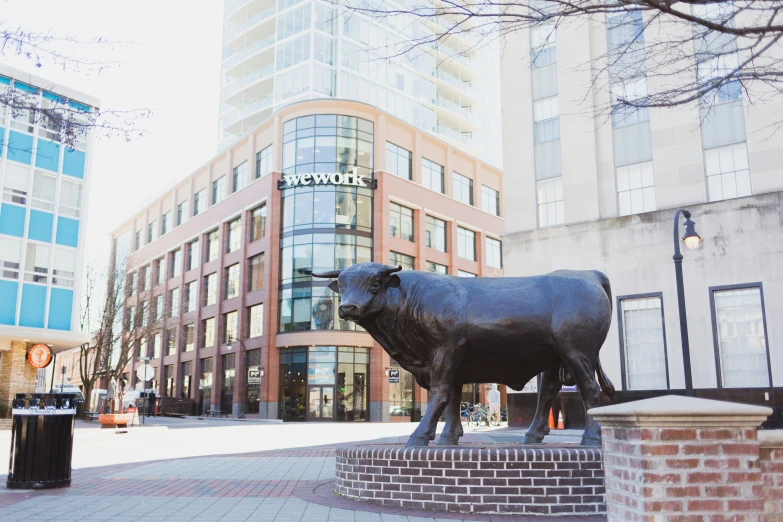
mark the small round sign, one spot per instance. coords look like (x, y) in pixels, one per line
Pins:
(145, 372)
(39, 356)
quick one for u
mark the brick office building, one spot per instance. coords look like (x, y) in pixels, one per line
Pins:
(227, 254)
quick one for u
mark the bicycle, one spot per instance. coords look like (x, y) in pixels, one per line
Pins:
(480, 415)
(464, 413)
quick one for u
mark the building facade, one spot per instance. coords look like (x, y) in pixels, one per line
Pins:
(44, 204)
(584, 192)
(279, 51)
(225, 259)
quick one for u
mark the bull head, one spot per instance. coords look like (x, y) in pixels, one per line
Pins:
(362, 288)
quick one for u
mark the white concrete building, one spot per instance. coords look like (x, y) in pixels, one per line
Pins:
(584, 192)
(276, 52)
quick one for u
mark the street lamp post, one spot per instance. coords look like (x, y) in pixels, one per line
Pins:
(692, 240)
(240, 413)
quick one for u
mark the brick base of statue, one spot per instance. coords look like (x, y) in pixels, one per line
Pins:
(502, 479)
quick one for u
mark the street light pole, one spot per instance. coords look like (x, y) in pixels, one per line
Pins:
(240, 413)
(692, 241)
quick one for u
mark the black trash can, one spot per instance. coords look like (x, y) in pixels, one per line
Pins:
(41, 440)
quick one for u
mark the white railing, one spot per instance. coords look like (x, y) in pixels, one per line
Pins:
(250, 22)
(242, 55)
(453, 80)
(248, 109)
(231, 5)
(454, 107)
(453, 134)
(234, 87)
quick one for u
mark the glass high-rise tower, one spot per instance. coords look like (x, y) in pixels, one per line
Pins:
(279, 51)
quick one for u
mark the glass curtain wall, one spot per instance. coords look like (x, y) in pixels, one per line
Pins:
(324, 227)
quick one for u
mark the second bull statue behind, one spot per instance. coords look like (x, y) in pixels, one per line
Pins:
(449, 331)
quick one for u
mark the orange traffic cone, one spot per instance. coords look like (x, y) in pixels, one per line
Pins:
(551, 418)
(560, 423)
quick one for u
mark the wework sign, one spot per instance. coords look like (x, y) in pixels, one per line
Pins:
(394, 376)
(254, 375)
(351, 179)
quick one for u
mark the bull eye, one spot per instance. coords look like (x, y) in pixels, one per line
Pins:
(375, 286)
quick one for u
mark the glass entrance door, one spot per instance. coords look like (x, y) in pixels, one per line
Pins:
(320, 403)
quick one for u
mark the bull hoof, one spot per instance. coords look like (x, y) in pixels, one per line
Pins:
(532, 439)
(591, 441)
(448, 440)
(415, 442)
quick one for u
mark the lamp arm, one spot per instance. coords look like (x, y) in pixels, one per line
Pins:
(677, 254)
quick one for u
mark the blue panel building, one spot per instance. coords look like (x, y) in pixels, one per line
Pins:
(44, 186)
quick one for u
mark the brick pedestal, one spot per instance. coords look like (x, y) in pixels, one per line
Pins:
(679, 458)
(771, 456)
(546, 479)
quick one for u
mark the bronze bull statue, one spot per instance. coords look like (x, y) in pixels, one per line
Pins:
(449, 331)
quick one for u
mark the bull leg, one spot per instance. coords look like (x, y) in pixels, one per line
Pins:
(425, 431)
(453, 429)
(550, 386)
(584, 374)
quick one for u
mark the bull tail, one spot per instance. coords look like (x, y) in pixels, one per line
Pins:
(603, 380)
(604, 281)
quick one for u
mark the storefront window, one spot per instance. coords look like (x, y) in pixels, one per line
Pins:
(402, 397)
(324, 226)
(293, 380)
(227, 389)
(205, 385)
(352, 379)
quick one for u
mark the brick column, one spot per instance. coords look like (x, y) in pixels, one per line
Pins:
(771, 454)
(678, 458)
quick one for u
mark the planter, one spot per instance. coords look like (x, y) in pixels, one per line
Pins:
(115, 420)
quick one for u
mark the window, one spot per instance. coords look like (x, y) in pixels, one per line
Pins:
(181, 212)
(17, 181)
(466, 243)
(191, 296)
(143, 349)
(234, 237)
(144, 278)
(494, 253)
(209, 332)
(213, 246)
(258, 223)
(10, 258)
(395, 259)
(738, 317)
(44, 188)
(144, 309)
(643, 343)
(230, 327)
(187, 376)
(137, 241)
(232, 281)
(199, 199)
(193, 254)
(70, 198)
(636, 188)
(398, 160)
(160, 307)
(728, 174)
(132, 281)
(130, 318)
(435, 232)
(264, 162)
(218, 187)
(171, 342)
(490, 200)
(401, 222)
(151, 232)
(550, 202)
(436, 268)
(432, 175)
(188, 337)
(160, 270)
(174, 302)
(255, 321)
(210, 289)
(238, 176)
(165, 222)
(462, 273)
(168, 372)
(176, 263)
(463, 188)
(157, 345)
(36, 263)
(64, 268)
(256, 281)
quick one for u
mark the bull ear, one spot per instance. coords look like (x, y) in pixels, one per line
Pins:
(393, 281)
(334, 287)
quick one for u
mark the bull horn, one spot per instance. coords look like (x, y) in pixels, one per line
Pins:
(328, 275)
(391, 270)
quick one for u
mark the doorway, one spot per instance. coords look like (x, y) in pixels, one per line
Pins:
(320, 403)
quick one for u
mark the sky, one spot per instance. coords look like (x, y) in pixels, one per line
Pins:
(170, 65)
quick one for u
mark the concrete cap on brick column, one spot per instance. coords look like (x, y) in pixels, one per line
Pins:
(676, 410)
(771, 439)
